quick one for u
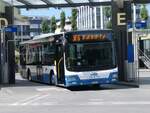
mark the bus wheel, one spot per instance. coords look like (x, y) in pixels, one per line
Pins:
(29, 75)
(52, 79)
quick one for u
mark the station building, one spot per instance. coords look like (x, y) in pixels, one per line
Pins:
(23, 27)
(93, 17)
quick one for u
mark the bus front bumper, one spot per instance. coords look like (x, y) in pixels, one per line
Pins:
(74, 80)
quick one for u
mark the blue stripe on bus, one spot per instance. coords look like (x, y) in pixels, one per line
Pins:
(45, 78)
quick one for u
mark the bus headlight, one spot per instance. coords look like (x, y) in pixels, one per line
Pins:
(115, 75)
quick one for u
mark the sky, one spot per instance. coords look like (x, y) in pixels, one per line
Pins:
(49, 12)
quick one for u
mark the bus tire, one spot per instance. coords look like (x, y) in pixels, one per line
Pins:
(52, 80)
(29, 75)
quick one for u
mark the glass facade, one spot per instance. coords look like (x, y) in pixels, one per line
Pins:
(94, 17)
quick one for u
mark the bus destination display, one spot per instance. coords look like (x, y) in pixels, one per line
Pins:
(89, 38)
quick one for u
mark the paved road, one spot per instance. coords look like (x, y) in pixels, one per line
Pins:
(28, 97)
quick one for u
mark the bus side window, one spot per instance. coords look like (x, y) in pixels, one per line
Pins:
(48, 53)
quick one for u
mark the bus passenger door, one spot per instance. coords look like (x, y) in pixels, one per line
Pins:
(60, 63)
(39, 69)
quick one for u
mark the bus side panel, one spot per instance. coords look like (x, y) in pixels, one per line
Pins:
(32, 69)
(23, 71)
(46, 73)
(43, 75)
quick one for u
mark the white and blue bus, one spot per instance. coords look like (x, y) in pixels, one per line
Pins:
(70, 59)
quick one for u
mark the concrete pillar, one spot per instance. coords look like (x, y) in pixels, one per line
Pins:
(11, 46)
(0, 62)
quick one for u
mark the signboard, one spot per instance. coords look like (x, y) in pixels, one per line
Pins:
(130, 25)
(11, 29)
(121, 18)
(138, 25)
(141, 25)
(130, 53)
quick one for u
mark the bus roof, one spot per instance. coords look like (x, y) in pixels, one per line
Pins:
(49, 37)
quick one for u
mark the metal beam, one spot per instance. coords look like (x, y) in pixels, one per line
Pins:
(90, 1)
(69, 1)
(24, 2)
(64, 5)
(47, 2)
(141, 1)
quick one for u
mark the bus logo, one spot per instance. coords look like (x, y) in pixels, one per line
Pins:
(93, 75)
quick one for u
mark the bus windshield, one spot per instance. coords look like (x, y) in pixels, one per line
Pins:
(89, 56)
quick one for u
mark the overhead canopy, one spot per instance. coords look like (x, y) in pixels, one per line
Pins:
(55, 3)
(141, 1)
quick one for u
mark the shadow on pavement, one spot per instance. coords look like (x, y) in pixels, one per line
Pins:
(20, 82)
(144, 75)
(144, 80)
(101, 87)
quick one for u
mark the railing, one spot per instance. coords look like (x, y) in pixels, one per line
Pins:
(144, 58)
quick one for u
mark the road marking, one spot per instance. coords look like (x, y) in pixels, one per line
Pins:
(26, 100)
(51, 89)
(35, 99)
(115, 103)
(132, 103)
(30, 104)
(96, 100)
(119, 103)
(9, 91)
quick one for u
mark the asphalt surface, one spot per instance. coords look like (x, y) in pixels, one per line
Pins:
(29, 97)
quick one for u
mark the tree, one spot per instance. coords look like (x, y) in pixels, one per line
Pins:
(107, 15)
(107, 12)
(62, 20)
(144, 13)
(74, 19)
(45, 27)
(53, 24)
(109, 24)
